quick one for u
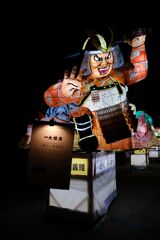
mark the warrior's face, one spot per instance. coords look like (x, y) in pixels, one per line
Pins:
(101, 64)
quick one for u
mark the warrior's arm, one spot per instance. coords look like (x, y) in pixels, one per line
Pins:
(140, 66)
(138, 58)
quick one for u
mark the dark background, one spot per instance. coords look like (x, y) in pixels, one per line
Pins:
(33, 58)
(32, 48)
(40, 63)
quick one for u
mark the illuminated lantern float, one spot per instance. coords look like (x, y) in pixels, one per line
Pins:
(93, 96)
(143, 139)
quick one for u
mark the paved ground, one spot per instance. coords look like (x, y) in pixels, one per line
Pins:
(134, 214)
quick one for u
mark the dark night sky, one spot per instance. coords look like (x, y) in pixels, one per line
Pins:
(33, 43)
(39, 61)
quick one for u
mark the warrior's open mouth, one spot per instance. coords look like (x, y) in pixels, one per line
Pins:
(104, 70)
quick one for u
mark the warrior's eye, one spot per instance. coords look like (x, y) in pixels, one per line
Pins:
(96, 58)
(108, 56)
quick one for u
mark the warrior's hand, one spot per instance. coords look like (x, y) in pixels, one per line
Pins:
(72, 84)
(136, 38)
(137, 41)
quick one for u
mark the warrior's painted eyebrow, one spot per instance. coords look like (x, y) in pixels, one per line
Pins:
(72, 84)
(97, 56)
(109, 54)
